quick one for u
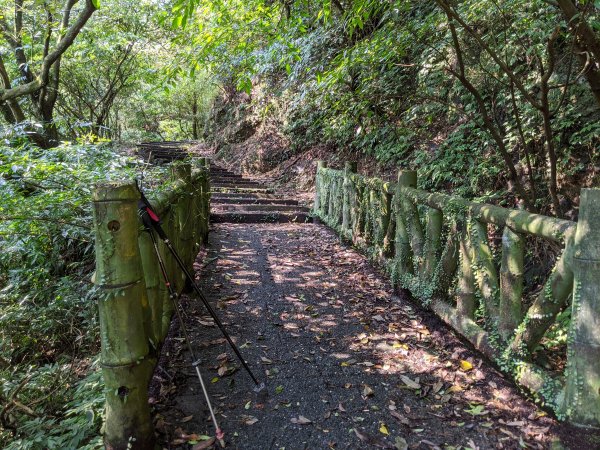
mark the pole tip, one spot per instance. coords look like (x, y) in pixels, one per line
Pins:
(220, 437)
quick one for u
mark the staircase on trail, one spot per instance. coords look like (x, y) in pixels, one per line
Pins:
(235, 199)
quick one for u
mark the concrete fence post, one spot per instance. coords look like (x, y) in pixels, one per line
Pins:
(349, 169)
(123, 304)
(317, 203)
(582, 394)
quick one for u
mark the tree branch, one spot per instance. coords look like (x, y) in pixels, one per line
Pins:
(52, 57)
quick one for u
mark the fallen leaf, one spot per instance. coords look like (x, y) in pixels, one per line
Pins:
(367, 391)
(204, 445)
(266, 360)
(371, 441)
(402, 419)
(186, 419)
(301, 420)
(401, 443)
(410, 383)
(279, 389)
(248, 420)
(454, 388)
(465, 365)
(477, 410)
(383, 429)
(437, 387)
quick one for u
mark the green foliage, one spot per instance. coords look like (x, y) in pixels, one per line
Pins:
(48, 317)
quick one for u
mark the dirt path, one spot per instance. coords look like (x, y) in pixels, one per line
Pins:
(347, 363)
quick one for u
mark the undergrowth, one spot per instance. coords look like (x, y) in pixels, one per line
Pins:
(50, 385)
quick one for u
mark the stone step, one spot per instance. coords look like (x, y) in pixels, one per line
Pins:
(241, 182)
(225, 176)
(241, 190)
(221, 173)
(234, 195)
(216, 200)
(238, 186)
(259, 217)
(219, 208)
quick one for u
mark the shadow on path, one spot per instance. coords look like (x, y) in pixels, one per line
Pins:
(347, 363)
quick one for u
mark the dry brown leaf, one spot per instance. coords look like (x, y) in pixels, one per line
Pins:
(301, 420)
(186, 419)
(410, 383)
(367, 391)
(248, 420)
(204, 444)
(402, 419)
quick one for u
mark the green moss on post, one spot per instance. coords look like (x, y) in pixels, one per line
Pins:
(126, 365)
(433, 237)
(318, 187)
(170, 226)
(410, 214)
(390, 233)
(582, 395)
(465, 291)
(349, 169)
(446, 269)
(486, 274)
(549, 302)
(152, 278)
(511, 282)
(185, 216)
(403, 254)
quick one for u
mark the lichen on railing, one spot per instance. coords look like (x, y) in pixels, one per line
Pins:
(436, 246)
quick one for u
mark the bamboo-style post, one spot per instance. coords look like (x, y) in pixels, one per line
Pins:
(331, 187)
(582, 395)
(486, 274)
(170, 225)
(153, 281)
(433, 239)
(318, 187)
(205, 201)
(410, 214)
(185, 216)
(448, 263)
(126, 364)
(362, 208)
(465, 290)
(201, 200)
(383, 218)
(511, 282)
(549, 302)
(390, 232)
(349, 169)
(402, 240)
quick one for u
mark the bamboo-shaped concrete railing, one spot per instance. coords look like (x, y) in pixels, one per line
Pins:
(134, 306)
(436, 246)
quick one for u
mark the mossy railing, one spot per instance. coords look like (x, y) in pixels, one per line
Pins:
(437, 247)
(134, 307)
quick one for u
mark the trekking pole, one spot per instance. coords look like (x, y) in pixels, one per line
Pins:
(195, 361)
(149, 216)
